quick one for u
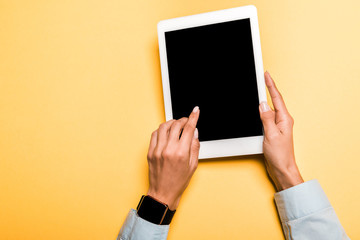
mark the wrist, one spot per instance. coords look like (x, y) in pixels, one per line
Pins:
(172, 202)
(154, 211)
(287, 178)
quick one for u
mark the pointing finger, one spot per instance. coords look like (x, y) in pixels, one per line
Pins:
(189, 128)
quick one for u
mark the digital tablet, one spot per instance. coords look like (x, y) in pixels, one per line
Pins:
(213, 60)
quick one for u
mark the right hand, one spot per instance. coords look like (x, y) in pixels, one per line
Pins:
(278, 140)
(173, 158)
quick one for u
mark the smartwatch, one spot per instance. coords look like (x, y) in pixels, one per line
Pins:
(154, 211)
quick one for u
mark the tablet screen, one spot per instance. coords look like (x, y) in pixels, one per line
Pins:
(213, 67)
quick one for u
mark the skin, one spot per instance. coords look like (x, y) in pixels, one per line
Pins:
(278, 143)
(173, 159)
(174, 150)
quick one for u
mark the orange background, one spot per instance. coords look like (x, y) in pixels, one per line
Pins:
(80, 94)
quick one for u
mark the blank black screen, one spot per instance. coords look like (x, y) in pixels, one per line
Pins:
(213, 67)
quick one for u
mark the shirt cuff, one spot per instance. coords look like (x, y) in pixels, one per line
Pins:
(135, 227)
(301, 200)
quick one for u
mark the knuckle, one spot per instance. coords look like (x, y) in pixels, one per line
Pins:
(189, 126)
(149, 157)
(166, 154)
(197, 144)
(272, 136)
(176, 124)
(184, 119)
(290, 120)
(161, 126)
(278, 93)
(165, 124)
(180, 155)
(158, 155)
(170, 122)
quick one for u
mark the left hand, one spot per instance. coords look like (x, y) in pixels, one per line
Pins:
(173, 159)
(278, 140)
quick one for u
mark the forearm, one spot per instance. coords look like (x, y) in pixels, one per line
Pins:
(286, 176)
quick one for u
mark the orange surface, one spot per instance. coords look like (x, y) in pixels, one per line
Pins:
(80, 93)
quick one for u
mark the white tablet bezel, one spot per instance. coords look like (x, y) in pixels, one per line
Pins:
(225, 147)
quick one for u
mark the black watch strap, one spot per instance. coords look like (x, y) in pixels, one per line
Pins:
(154, 211)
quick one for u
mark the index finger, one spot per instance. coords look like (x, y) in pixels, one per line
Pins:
(276, 97)
(189, 128)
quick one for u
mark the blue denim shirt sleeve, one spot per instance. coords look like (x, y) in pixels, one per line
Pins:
(304, 210)
(306, 213)
(136, 228)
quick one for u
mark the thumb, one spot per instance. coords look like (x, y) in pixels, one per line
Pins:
(194, 150)
(267, 116)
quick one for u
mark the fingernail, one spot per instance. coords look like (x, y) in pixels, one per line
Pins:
(196, 109)
(196, 133)
(264, 107)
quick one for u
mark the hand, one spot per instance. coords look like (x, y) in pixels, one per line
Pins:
(173, 159)
(278, 140)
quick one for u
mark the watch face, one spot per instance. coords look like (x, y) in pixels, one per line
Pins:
(151, 210)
